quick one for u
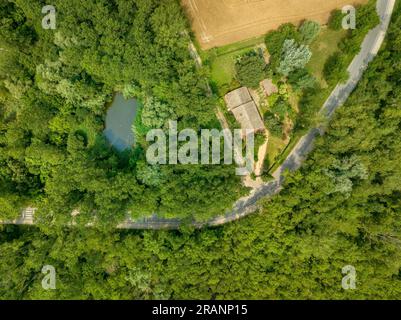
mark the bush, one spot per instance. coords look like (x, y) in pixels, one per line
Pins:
(260, 139)
(250, 70)
(301, 79)
(335, 69)
(266, 166)
(309, 31)
(273, 124)
(335, 21)
(281, 108)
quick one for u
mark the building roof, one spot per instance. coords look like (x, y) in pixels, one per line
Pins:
(237, 98)
(269, 87)
(241, 104)
(248, 116)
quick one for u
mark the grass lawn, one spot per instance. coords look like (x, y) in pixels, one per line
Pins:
(285, 151)
(222, 69)
(222, 60)
(322, 48)
(275, 146)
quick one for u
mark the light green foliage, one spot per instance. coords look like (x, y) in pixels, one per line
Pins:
(342, 172)
(131, 91)
(293, 57)
(283, 90)
(308, 31)
(156, 114)
(149, 175)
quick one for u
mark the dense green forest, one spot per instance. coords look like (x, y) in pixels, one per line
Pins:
(55, 86)
(342, 208)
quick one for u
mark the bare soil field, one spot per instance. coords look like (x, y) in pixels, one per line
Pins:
(221, 22)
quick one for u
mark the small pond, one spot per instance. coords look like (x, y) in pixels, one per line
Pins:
(119, 120)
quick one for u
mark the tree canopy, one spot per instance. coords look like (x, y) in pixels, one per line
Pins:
(342, 208)
(55, 87)
(250, 69)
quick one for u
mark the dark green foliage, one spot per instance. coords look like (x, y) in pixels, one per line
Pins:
(260, 139)
(275, 41)
(335, 21)
(281, 108)
(335, 69)
(266, 177)
(301, 79)
(366, 19)
(273, 124)
(250, 69)
(57, 83)
(295, 248)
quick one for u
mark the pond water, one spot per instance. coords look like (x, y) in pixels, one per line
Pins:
(119, 120)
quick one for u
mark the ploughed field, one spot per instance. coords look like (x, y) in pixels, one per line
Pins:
(221, 22)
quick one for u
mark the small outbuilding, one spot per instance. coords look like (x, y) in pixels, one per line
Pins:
(244, 109)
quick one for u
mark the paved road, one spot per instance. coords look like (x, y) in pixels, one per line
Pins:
(247, 205)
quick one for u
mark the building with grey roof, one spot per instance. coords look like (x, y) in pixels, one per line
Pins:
(237, 97)
(244, 109)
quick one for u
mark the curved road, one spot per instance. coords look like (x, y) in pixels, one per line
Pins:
(247, 205)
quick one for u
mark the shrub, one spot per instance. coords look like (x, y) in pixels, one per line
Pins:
(273, 124)
(335, 69)
(309, 31)
(301, 79)
(335, 21)
(281, 108)
(250, 70)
